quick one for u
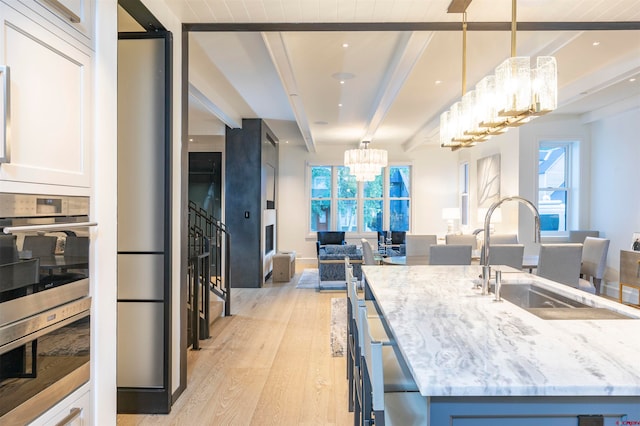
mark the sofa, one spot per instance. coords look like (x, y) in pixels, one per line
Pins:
(331, 261)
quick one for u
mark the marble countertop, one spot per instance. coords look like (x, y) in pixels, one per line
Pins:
(459, 343)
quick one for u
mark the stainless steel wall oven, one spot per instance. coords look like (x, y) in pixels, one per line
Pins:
(44, 302)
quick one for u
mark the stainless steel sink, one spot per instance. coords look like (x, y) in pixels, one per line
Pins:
(550, 305)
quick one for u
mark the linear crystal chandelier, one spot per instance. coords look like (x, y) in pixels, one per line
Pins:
(365, 163)
(514, 95)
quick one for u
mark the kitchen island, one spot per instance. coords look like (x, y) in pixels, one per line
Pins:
(481, 362)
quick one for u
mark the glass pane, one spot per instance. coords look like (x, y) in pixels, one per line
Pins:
(373, 189)
(551, 167)
(373, 220)
(399, 211)
(320, 215)
(552, 206)
(347, 215)
(464, 208)
(347, 184)
(399, 182)
(320, 182)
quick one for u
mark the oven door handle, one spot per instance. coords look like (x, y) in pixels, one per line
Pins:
(51, 227)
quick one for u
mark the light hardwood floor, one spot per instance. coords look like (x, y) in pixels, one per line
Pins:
(270, 363)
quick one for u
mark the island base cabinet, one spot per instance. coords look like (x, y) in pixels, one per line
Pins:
(533, 411)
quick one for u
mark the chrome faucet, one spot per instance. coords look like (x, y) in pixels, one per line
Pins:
(486, 269)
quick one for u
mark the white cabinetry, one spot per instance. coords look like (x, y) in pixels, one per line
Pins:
(74, 17)
(49, 102)
(75, 410)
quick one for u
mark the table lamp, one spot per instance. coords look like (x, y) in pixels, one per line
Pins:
(450, 214)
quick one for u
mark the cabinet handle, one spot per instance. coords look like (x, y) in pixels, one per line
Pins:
(74, 413)
(64, 10)
(4, 70)
(52, 227)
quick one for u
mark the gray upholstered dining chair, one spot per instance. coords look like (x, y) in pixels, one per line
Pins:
(462, 239)
(594, 263)
(579, 236)
(495, 239)
(40, 245)
(560, 263)
(507, 254)
(418, 245)
(450, 254)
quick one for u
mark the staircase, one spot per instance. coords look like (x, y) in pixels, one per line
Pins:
(209, 294)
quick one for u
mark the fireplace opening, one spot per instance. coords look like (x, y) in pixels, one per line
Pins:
(268, 239)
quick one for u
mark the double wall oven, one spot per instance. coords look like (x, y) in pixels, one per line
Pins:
(44, 302)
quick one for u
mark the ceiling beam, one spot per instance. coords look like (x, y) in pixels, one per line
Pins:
(282, 63)
(458, 6)
(407, 53)
(414, 26)
(217, 111)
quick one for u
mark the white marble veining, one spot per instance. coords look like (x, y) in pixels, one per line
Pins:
(459, 343)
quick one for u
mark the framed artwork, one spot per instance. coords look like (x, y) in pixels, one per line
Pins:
(488, 180)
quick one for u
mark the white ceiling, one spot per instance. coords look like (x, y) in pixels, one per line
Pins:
(395, 83)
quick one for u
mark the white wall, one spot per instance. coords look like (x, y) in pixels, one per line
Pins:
(435, 180)
(615, 193)
(558, 128)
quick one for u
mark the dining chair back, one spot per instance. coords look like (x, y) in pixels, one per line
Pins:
(40, 245)
(594, 263)
(560, 263)
(418, 245)
(507, 254)
(578, 236)
(496, 239)
(462, 239)
(367, 253)
(76, 246)
(8, 249)
(450, 254)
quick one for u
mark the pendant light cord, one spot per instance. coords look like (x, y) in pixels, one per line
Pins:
(513, 28)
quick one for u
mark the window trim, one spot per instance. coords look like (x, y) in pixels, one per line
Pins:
(571, 166)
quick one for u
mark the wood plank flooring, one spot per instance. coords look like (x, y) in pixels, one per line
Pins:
(269, 363)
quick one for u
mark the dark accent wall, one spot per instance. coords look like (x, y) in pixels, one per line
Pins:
(246, 150)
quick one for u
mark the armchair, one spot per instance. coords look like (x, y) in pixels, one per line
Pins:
(331, 261)
(329, 237)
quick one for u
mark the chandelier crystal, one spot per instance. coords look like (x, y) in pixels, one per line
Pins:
(514, 95)
(365, 163)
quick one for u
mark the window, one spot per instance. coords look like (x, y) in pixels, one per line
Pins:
(464, 194)
(337, 198)
(399, 200)
(554, 159)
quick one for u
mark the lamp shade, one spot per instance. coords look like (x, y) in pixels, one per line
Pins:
(451, 213)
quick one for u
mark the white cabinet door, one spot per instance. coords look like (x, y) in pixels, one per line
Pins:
(49, 108)
(75, 410)
(73, 17)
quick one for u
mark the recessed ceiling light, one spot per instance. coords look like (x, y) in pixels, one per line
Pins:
(596, 43)
(286, 141)
(632, 79)
(341, 81)
(438, 82)
(190, 139)
(345, 45)
(343, 75)
(339, 105)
